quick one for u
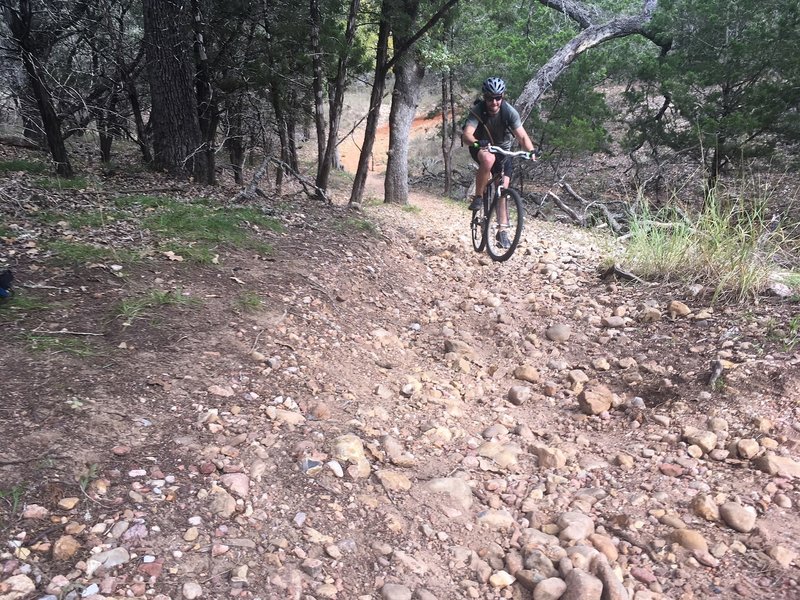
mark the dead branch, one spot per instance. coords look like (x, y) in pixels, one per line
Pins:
(252, 188)
(571, 213)
(19, 142)
(619, 273)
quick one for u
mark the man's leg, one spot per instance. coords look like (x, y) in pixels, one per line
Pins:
(502, 217)
(485, 162)
(502, 208)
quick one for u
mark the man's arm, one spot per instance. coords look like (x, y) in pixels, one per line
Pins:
(468, 134)
(523, 139)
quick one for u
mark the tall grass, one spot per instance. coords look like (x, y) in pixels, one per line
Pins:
(731, 245)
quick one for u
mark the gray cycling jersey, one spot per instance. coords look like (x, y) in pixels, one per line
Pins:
(499, 128)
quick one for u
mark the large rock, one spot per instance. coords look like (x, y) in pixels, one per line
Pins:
(17, 587)
(452, 489)
(595, 399)
(582, 586)
(738, 517)
(527, 373)
(706, 440)
(552, 588)
(574, 526)
(689, 539)
(558, 333)
(783, 466)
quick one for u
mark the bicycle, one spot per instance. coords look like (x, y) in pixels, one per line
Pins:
(501, 211)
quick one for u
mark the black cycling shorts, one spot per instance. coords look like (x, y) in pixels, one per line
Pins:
(508, 167)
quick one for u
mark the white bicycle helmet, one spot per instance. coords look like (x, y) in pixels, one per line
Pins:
(494, 86)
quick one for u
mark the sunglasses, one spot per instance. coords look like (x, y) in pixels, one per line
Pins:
(495, 98)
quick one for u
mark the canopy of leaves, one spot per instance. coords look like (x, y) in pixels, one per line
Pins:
(730, 84)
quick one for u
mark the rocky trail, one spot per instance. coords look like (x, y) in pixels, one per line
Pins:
(401, 418)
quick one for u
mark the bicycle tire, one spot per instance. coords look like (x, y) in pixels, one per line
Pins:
(516, 217)
(478, 227)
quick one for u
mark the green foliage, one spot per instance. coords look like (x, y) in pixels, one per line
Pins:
(731, 78)
(64, 252)
(196, 222)
(142, 201)
(80, 219)
(19, 164)
(731, 245)
(59, 183)
(59, 344)
(196, 253)
(357, 224)
(24, 303)
(13, 497)
(131, 309)
(90, 473)
(78, 253)
(249, 302)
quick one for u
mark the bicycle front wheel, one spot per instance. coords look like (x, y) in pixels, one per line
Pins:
(478, 226)
(504, 225)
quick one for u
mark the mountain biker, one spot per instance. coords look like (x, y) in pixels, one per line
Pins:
(493, 121)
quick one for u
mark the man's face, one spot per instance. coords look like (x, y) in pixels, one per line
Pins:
(493, 103)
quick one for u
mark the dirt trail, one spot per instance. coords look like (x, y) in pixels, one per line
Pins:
(399, 416)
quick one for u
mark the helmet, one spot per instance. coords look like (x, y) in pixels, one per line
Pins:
(494, 86)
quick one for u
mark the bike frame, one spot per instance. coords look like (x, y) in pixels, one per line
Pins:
(495, 208)
(494, 188)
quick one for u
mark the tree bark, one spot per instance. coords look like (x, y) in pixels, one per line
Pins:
(448, 129)
(330, 156)
(378, 85)
(317, 82)
(382, 66)
(597, 28)
(408, 74)
(177, 140)
(207, 112)
(19, 21)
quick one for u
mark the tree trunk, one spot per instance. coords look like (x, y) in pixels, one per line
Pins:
(234, 141)
(378, 85)
(408, 74)
(19, 25)
(331, 156)
(592, 35)
(291, 133)
(27, 108)
(177, 140)
(107, 127)
(382, 66)
(141, 131)
(206, 104)
(317, 82)
(50, 122)
(448, 130)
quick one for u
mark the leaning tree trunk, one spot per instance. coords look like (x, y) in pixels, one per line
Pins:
(448, 130)
(177, 140)
(50, 122)
(378, 85)
(206, 102)
(142, 137)
(403, 44)
(317, 82)
(592, 34)
(408, 73)
(330, 157)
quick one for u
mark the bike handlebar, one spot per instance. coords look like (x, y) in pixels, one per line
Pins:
(513, 154)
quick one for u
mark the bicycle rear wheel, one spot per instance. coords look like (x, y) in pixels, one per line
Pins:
(504, 230)
(478, 226)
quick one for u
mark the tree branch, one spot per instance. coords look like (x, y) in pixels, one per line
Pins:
(591, 35)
